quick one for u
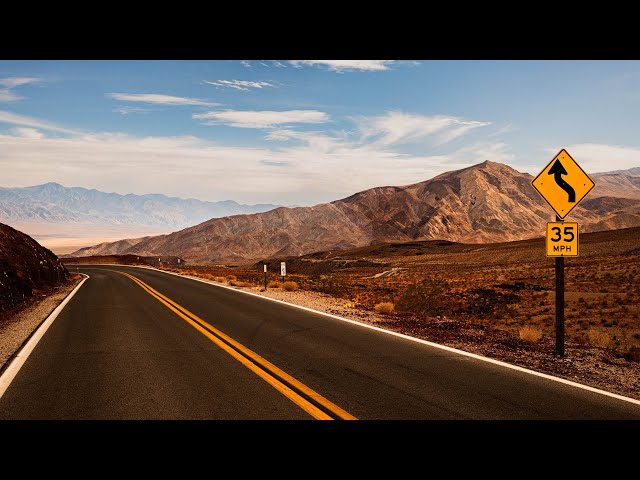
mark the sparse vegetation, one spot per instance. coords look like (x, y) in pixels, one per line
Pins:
(274, 284)
(424, 298)
(290, 286)
(385, 308)
(633, 354)
(598, 338)
(331, 285)
(530, 333)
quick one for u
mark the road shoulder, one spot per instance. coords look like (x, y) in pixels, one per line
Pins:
(16, 329)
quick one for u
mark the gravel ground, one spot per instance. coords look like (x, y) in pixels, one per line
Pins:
(15, 329)
(596, 367)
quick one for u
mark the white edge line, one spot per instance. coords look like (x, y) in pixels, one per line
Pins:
(23, 353)
(396, 334)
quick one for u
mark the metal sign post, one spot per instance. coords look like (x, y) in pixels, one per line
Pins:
(265, 276)
(563, 185)
(559, 303)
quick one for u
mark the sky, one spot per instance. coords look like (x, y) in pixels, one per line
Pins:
(302, 132)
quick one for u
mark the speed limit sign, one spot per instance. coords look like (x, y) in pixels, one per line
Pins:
(562, 239)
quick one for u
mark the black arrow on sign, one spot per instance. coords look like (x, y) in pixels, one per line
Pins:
(557, 171)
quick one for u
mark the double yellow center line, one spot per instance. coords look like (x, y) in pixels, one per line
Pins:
(306, 398)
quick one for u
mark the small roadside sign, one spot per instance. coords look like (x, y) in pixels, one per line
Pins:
(563, 184)
(562, 239)
(283, 269)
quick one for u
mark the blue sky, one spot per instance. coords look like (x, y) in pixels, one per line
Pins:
(308, 131)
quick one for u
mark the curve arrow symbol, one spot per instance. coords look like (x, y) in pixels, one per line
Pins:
(557, 170)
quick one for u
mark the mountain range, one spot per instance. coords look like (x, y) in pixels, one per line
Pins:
(487, 202)
(53, 203)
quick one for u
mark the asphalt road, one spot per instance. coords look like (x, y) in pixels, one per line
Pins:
(117, 352)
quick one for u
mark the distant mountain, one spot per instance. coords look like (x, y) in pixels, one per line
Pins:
(632, 172)
(488, 202)
(53, 203)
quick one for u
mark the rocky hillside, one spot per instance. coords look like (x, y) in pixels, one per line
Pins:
(488, 202)
(54, 203)
(25, 266)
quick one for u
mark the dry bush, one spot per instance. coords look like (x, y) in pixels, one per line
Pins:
(274, 284)
(243, 284)
(385, 308)
(219, 279)
(332, 285)
(232, 277)
(425, 298)
(531, 334)
(290, 286)
(633, 354)
(598, 338)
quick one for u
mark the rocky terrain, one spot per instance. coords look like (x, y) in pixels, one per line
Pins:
(25, 269)
(488, 202)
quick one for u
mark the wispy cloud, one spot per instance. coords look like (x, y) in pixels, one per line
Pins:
(12, 82)
(501, 131)
(27, 132)
(278, 64)
(346, 65)
(299, 174)
(158, 99)
(25, 121)
(7, 95)
(128, 110)
(399, 127)
(245, 63)
(261, 118)
(9, 83)
(243, 85)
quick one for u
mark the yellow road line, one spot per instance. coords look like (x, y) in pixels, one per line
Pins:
(306, 398)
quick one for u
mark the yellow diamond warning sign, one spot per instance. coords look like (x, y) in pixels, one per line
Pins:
(563, 184)
(562, 239)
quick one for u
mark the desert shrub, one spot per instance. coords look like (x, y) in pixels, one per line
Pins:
(331, 285)
(274, 284)
(488, 302)
(633, 355)
(243, 284)
(424, 298)
(531, 334)
(384, 307)
(290, 286)
(598, 338)
(219, 279)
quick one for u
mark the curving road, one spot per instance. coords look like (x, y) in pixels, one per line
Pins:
(150, 345)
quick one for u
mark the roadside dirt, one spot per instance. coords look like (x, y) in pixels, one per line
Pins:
(18, 324)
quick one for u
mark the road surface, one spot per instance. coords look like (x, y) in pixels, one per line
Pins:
(141, 344)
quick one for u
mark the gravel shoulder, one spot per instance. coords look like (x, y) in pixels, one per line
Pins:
(16, 327)
(596, 367)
